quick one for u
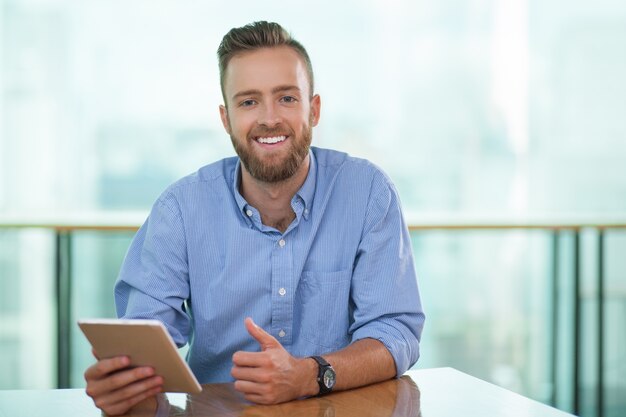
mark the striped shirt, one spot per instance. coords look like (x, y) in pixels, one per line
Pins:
(342, 271)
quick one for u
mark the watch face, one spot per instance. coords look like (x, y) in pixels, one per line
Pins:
(329, 378)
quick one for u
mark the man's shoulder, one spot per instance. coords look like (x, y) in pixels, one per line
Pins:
(213, 175)
(336, 162)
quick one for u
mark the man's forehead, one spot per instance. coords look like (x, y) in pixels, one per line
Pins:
(266, 68)
(268, 54)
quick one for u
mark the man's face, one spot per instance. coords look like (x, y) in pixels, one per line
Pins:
(268, 114)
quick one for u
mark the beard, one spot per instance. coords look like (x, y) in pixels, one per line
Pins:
(274, 168)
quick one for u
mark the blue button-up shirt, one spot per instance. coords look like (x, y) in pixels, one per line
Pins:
(342, 271)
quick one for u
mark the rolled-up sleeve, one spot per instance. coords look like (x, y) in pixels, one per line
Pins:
(384, 291)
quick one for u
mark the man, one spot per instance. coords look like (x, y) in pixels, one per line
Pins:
(309, 243)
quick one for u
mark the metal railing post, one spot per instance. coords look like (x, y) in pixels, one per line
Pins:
(600, 325)
(555, 316)
(577, 323)
(63, 284)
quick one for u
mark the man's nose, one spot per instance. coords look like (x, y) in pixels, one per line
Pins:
(269, 115)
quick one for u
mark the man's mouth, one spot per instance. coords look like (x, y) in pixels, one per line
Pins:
(271, 139)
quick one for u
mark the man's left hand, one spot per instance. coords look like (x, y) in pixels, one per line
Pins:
(273, 375)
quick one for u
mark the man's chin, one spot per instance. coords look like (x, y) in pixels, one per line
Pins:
(272, 176)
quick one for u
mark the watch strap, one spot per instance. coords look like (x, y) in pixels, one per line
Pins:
(320, 361)
(323, 366)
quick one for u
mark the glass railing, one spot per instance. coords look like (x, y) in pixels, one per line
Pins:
(537, 305)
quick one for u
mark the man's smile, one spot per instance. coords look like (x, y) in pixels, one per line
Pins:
(271, 139)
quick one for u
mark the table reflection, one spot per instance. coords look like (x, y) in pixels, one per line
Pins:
(395, 398)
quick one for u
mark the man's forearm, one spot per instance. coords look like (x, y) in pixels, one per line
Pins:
(363, 362)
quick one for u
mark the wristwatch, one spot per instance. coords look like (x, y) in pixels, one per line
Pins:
(326, 375)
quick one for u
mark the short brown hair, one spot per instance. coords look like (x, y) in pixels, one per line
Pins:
(254, 36)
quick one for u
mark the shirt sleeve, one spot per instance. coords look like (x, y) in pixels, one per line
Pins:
(385, 295)
(154, 281)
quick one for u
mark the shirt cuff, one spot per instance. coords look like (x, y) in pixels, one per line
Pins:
(401, 343)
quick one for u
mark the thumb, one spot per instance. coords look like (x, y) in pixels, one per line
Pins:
(265, 339)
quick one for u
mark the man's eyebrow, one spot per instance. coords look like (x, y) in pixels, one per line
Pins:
(284, 88)
(279, 89)
(246, 93)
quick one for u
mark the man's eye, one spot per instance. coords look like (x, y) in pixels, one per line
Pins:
(247, 103)
(289, 99)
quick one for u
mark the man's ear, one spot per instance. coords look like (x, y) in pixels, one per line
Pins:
(316, 105)
(224, 117)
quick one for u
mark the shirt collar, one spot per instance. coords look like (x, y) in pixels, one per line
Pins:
(306, 192)
(241, 202)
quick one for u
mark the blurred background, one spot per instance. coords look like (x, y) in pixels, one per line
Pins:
(501, 123)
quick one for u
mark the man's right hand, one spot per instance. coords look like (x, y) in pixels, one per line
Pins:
(115, 388)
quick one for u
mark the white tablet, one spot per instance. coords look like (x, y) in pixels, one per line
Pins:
(146, 343)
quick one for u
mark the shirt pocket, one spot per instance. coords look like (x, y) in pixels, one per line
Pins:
(326, 308)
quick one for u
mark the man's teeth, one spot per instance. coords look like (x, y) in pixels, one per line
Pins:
(274, 139)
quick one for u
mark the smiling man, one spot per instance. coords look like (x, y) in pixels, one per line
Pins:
(287, 269)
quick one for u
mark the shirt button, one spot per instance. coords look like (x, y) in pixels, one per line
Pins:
(282, 333)
(281, 243)
(249, 213)
(282, 292)
(306, 211)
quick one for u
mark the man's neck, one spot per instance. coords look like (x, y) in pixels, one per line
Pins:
(273, 200)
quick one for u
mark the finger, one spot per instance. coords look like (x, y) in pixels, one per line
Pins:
(116, 381)
(265, 339)
(130, 391)
(105, 366)
(249, 387)
(124, 407)
(254, 359)
(122, 400)
(259, 375)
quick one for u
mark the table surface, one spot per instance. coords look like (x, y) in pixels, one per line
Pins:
(438, 392)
